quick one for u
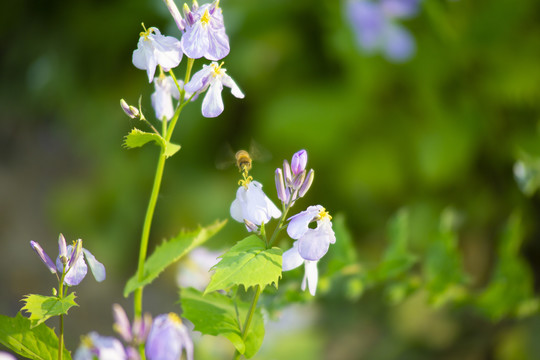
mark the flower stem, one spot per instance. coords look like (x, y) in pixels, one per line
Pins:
(61, 296)
(249, 318)
(146, 232)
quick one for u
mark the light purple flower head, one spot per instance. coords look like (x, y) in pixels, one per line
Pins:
(133, 334)
(168, 338)
(154, 49)
(294, 181)
(205, 32)
(376, 28)
(253, 205)
(95, 346)
(313, 244)
(130, 110)
(212, 78)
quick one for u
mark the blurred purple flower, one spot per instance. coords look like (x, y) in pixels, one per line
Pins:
(6, 356)
(212, 77)
(205, 32)
(165, 90)
(377, 29)
(95, 346)
(132, 334)
(168, 338)
(154, 49)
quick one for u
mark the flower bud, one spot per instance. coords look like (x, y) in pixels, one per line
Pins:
(44, 257)
(299, 180)
(280, 186)
(287, 173)
(188, 14)
(175, 14)
(298, 162)
(307, 183)
(121, 323)
(130, 111)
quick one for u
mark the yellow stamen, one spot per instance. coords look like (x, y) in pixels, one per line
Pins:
(217, 69)
(324, 214)
(205, 19)
(146, 33)
(175, 318)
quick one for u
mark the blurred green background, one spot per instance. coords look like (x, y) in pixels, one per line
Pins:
(443, 129)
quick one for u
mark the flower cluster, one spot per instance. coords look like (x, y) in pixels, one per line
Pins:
(70, 262)
(203, 35)
(377, 29)
(254, 208)
(164, 338)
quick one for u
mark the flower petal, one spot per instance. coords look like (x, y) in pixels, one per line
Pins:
(399, 44)
(200, 80)
(311, 275)
(97, 268)
(212, 105)
(298, 224)
(313, 245)
(78, 270)
(229, 82)
(195, 41)
(291, 258)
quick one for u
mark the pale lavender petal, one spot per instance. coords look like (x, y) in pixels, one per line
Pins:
(168, 51)
(43, 256)
(200, 79)
(291, 258)
(175, 14)
(121, 323)
(62, 247)
(229, 82)
(186, 340)
(368, 21)
(399, 44)
(400, 8)
(236, 209)
(311, 275)
(299, 223)
(97, 268)
(299, 162)
(212, 105)
(167, 338)
(6, 356)
(314, 244)
(195, 41)
(218, 45)
(77, 272)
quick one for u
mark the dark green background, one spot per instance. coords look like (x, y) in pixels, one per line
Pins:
(441, 130)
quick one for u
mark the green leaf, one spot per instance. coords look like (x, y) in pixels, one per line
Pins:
(215, 314)
(443, 268)
(510, 291)
(138, 138)
(171, 251)
(247, 263)
(43, 307)
(40, 342)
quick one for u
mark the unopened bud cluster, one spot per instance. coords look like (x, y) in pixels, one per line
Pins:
(294, 180)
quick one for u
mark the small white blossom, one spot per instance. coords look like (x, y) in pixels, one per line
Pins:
(253, 205)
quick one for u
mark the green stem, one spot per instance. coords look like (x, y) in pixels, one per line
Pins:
(61, 296)
(249, 318)
(146, 232)
(182, 103)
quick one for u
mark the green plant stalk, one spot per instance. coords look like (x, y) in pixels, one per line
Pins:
(249, 318)
(61, 296)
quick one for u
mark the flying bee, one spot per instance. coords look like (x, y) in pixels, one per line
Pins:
(243, 161)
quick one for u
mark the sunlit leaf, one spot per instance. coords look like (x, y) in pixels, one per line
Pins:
(43, 307)
(248, 263)
(171, 251)
(39, 342)
(138, 138)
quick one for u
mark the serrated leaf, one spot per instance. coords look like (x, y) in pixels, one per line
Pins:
(43, 307)
(443, 267)
(215, 314)
(39, 343)
(138, 138)
(247, 263)
(171, 251)
(510, 291)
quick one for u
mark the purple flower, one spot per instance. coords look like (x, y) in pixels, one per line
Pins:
(298, 162)
(376, 27)
(168, 338)
(205, 32)
(6, 356)
(71, 260)
(212, 77)
(133, 335)
(293, 182)
(312, 243)
(154, 49)
(95, 346)
(253, 205)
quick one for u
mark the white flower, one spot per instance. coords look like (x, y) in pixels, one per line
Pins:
(292, 259)
(195, 270)
(154, 49)
(312, 243)
(212, 77)
(165, 90)
(253, 205)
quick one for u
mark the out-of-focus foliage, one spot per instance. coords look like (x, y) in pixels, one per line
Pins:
(441, 130)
